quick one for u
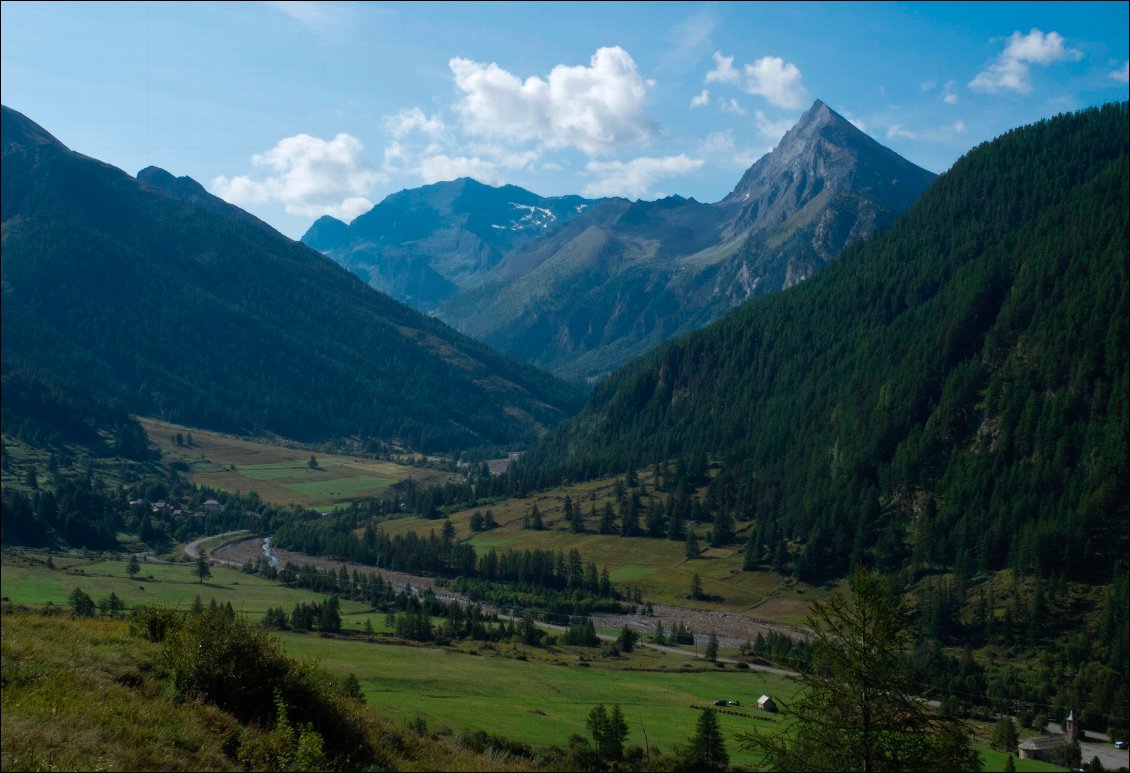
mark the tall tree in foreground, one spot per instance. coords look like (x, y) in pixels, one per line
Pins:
(858, 709)
(707, 749)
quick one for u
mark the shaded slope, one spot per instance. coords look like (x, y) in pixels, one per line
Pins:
(172, 308)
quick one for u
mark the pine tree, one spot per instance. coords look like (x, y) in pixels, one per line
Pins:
(707, 749)
(711, 653)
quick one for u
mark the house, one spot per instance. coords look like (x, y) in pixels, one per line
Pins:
(1051, 747)
(1048, 748)
(212, 506)
(765, 703)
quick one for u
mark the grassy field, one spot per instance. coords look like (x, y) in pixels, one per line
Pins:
(537, 696)
(546, 698)
(25, 579)
(658, 567)
(280, 474)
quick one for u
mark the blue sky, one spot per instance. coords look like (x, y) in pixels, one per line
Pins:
(293, 110)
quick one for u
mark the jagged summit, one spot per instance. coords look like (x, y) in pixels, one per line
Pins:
(823, 151)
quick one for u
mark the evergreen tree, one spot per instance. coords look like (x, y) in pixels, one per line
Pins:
(133, 567)
(691, 550)
(707, 749)
(858, 709)
(696, 587)
(202, 569)
(711, 653)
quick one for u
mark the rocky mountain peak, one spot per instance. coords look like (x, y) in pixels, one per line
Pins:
(822, 152)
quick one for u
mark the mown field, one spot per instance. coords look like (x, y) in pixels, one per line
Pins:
(280, 474)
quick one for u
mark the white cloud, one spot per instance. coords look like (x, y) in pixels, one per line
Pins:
(1122, 73)
(1011, 71)
(856, 122)
(443, 167)
(772, 131)
(634, 179)
(687, 37)
(723, 71)
(959, 127)
(731, 106)
(329, 20)
(927, 85)
(949, 93)
(701, 99)
(413, 120)
(312, 177)
(593, 108)
(771, 77)
(718, 142)
(896, 130)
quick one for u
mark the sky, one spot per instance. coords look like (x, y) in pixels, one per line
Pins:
(293, 110)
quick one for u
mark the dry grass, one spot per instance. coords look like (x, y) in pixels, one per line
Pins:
(279, 472)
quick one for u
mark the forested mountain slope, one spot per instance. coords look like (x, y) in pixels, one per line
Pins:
(160, 299)
(950, 393)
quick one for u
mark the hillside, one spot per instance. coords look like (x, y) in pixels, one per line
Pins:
(151, 296)
(951, 393)
(623, 277)
(147, 717)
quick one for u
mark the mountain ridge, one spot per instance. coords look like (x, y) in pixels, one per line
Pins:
(579, 303)
(151, 295)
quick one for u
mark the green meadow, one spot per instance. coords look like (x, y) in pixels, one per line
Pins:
(537, 696)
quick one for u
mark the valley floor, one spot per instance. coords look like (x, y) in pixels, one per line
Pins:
(731, 628)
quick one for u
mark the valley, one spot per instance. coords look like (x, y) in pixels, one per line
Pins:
(852, 437)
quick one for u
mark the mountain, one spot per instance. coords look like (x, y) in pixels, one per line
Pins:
(623, 277)
(425, 244)
(951, 394)
(155, 297)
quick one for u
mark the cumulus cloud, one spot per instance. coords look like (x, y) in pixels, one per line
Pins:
(414, 120)
(308, 176)
(443, 167)
(770, 77)
(1011, 69)
(634, 179)
(593, 109)
(949, 93)
(701, 99)
(1122, 73)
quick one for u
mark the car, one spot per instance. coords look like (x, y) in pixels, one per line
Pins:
(1121, 745)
